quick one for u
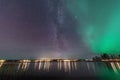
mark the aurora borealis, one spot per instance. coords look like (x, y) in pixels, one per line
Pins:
(59, 28)
(99, 23)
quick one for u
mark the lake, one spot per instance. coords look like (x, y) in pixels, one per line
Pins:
(66, 70)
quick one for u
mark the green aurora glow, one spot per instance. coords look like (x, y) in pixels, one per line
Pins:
(99, 23)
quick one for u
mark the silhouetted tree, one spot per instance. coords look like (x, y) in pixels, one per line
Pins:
(105, 56)
(119, 56)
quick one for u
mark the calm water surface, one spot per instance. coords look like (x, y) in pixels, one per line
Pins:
(97, 70)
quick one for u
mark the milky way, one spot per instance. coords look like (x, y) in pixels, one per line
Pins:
(58, 28)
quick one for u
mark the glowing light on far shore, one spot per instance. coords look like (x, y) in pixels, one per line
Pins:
(25, 60)
(43, 59)
(110, 59)
(66, 60)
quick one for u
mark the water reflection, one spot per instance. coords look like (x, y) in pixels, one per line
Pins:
(1, 63)
(105, 70)
(114, 67)
(43, 64)
(109, 70)
(66, 65)
(46, 65)
(59, 64)
(24, 64)
(118, 64)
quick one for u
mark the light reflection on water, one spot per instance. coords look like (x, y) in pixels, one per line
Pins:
(69, 66)
(24, 65)
(1, 63)
(66, 66)
(114, 67)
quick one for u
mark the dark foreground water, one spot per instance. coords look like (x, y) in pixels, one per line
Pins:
(60, 71)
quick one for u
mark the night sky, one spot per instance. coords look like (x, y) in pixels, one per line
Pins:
(59, 28)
